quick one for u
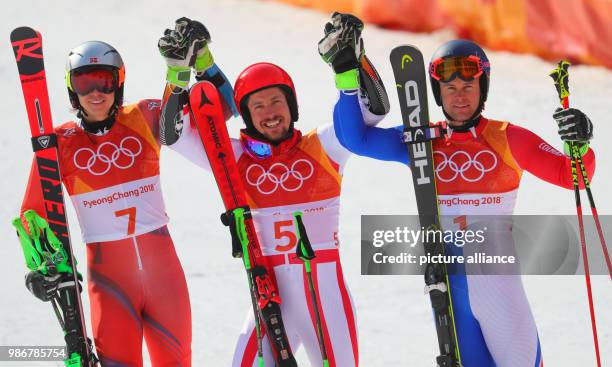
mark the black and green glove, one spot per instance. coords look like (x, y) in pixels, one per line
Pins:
(45, 256)
(342, 47)
(574, 127)
(183, 48)
(43, 251)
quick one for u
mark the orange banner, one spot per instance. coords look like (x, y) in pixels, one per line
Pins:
(328, 6)
(578, 30)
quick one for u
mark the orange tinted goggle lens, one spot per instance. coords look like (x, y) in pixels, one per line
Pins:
(83, 83)
(467, 68)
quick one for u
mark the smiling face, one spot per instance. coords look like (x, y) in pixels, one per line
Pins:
(270, 113)
(96, 105)
(460, 99)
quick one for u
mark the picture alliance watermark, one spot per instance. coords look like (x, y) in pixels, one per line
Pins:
(479, 245)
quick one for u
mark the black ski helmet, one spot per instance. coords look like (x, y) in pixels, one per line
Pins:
(461, 47)
(95, 54)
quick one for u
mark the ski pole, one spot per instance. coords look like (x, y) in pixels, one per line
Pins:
(587, 185)
(234, 219)
(305, 253)
(261, 291)
(560, 76)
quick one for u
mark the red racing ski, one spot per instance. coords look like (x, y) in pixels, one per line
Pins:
(42, 254)
(207, 111)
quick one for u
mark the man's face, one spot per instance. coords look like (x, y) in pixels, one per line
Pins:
(270, 113)
(460, 99)
(97, 105)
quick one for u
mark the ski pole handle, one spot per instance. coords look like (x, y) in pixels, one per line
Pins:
(229, 220)
(303, 249)
(560, 77)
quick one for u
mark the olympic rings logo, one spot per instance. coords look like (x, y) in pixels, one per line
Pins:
(290, 179)
(459, 169)
(108, 161)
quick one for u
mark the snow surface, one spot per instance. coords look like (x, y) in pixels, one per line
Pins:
(394, 318)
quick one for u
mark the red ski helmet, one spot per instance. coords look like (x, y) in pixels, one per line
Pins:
(261, 76)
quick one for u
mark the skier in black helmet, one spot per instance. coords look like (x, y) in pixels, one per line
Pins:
(478, 166)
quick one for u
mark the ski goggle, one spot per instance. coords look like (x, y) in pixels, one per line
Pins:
(447, 69)
(256, 148)
(85, 82)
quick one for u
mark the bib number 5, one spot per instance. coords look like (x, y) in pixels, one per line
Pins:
(280, 234)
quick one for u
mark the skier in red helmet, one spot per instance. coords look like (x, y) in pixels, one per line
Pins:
(284, 170)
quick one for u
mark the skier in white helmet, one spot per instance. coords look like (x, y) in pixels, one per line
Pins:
(109, 160)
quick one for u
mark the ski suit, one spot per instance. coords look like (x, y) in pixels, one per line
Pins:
(136, 283)
(477, 173)
(304, 173)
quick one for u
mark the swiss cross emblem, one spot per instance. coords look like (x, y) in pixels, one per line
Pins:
(93, 60)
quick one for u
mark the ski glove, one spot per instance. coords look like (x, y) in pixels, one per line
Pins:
(342, 47)
(45, 256)
(204, 59)
(43, 287)
(181, 49)
(574, 126)
(43, 251)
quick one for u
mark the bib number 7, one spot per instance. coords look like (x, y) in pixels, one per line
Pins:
(131, 214)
